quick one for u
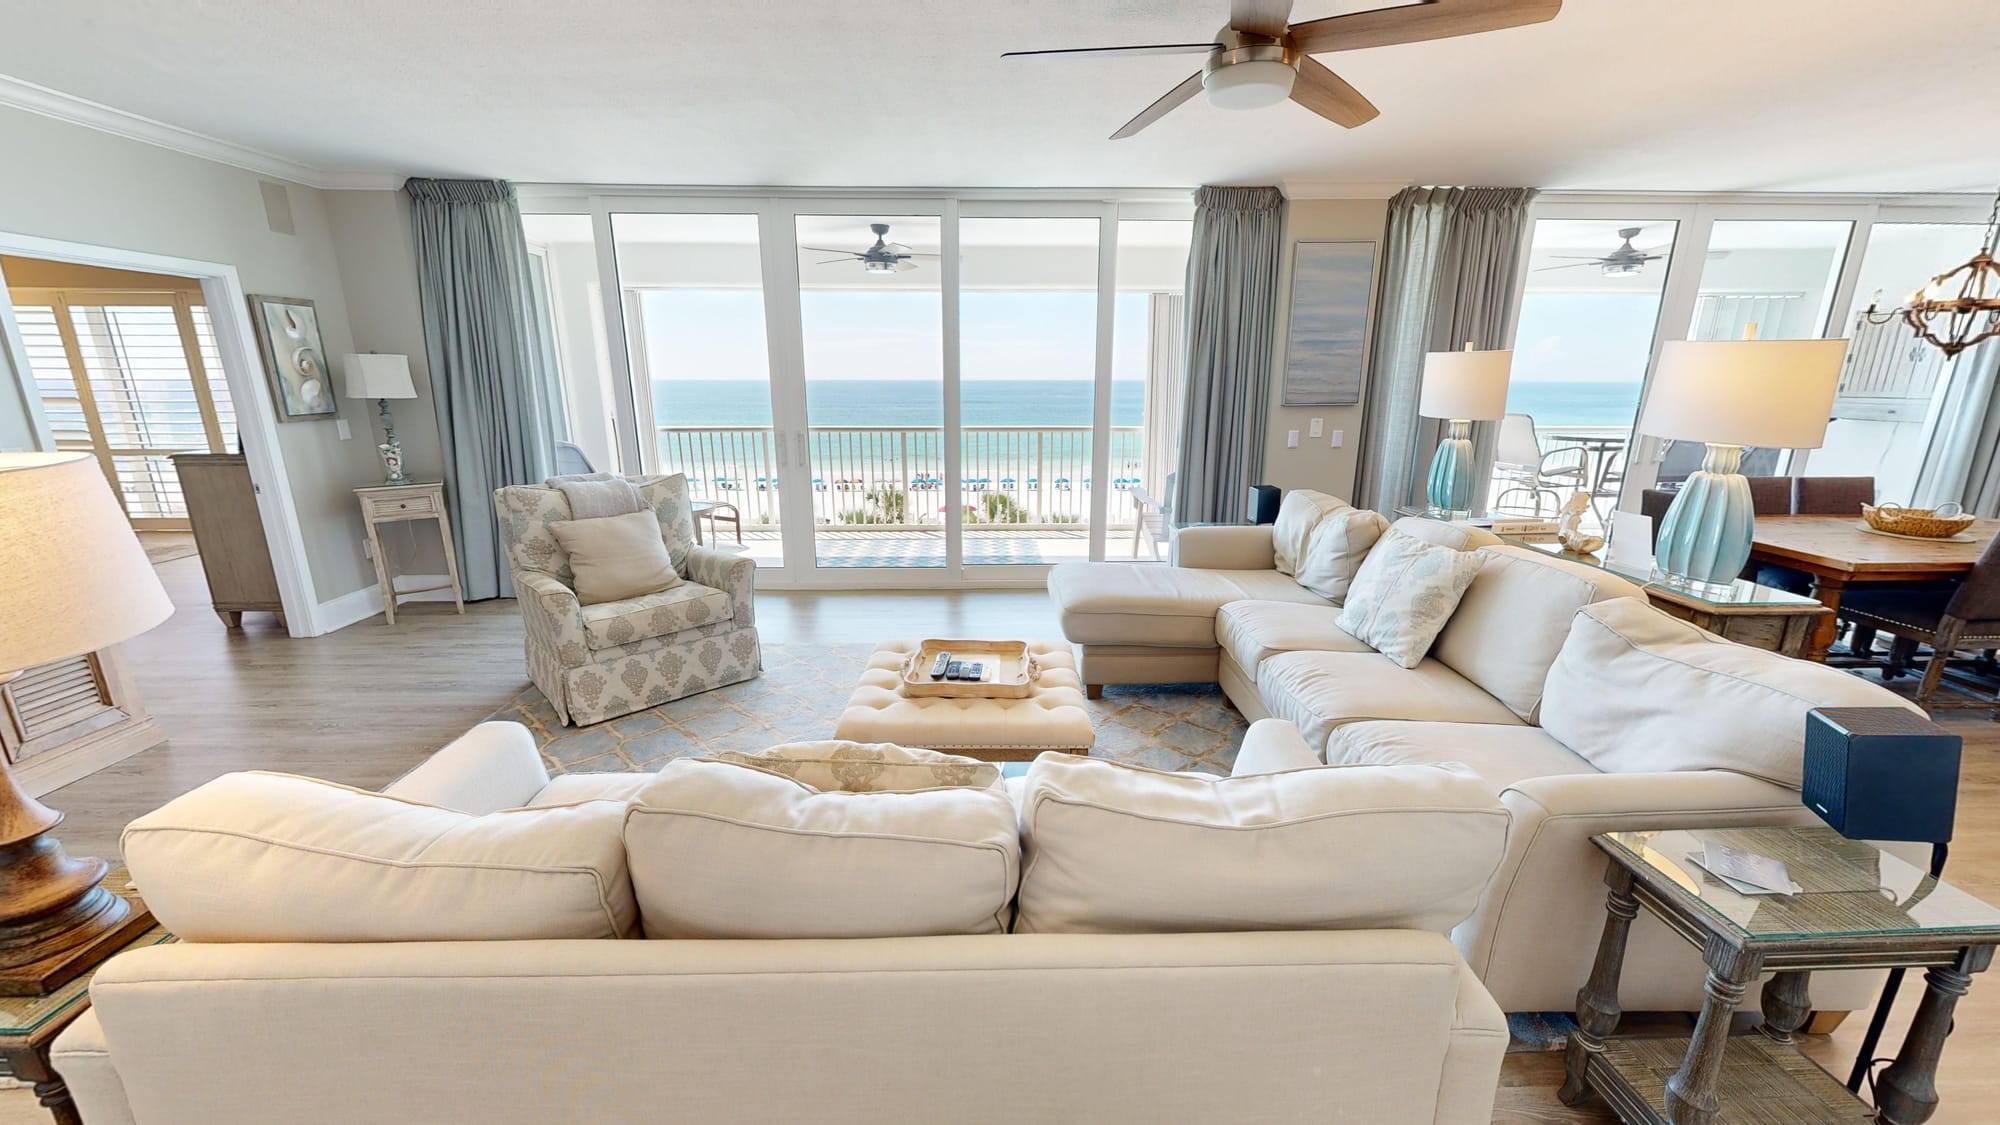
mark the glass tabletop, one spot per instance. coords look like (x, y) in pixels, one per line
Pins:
(1849, 888)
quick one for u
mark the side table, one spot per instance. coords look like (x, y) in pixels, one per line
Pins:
(401, 503)
(29, 1024)
(1861, 907)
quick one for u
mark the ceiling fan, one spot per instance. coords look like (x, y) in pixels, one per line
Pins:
(1259, 59)
(883, 257)
(1626, 261)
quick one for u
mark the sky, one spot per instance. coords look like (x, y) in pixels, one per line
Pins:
(1584, 337)
(856, 334)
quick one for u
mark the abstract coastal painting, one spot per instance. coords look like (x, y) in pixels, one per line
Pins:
(1332, 283)
(288, 337)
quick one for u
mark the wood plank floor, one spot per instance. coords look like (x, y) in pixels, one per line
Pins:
(364, 704)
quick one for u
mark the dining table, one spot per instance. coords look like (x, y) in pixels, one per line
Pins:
(1840, 550)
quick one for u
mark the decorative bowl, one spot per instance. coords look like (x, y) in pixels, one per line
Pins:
(1941, 522)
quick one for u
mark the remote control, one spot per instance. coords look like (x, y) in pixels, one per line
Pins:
(939, 665)
(954, 671)
(975, 671)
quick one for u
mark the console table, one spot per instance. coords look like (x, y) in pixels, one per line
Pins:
(1861, 907)
(401, 503)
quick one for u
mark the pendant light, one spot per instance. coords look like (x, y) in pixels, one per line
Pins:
(1961, 308)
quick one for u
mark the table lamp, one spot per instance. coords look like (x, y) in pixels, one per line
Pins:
(76, 580)
(382, 377)
(1462, 388)
(1729, 394)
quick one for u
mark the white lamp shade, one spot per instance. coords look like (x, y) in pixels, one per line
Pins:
(76, 578)
(1771, 393)
(1468, 384)
(378, 376)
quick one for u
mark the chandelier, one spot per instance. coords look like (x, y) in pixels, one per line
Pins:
(1961, 307)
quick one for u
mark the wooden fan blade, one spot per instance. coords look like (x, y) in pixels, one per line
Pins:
(1260, 17)
(829, 250)
(1115, 52)
(1416, 23)
(830, 261)
(1571, 266)
(1167, 103)
(1328, 94)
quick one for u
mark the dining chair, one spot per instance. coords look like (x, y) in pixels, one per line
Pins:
(1525, 469)
(1945, 620)
(1769, 496)
(1832, 496)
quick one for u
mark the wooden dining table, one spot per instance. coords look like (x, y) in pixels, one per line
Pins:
(1839, 550)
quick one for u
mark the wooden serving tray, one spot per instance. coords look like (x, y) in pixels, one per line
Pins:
(1012, 675)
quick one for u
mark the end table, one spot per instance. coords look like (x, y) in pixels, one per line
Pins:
(29, 1024)
(1861, 908)
(400, 503)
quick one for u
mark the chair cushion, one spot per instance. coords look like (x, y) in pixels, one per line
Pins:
(526, 511)
(1635, 690)
(1252, 631)
(1334, 552)
(615, 558)
(1500, 755)
(720, 850)
(271, 857)
(1158, 606)
(610, 624)
(1300, 512)
(1915, 608)
(1512, 620)
(1404, 594)
(1320, 691)
(1118, 849)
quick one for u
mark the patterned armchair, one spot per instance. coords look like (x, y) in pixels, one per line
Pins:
(601, 661)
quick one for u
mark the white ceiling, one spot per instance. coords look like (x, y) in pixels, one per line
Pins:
(1706, 95)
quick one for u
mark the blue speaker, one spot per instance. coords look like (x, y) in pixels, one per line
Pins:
(1881, 773)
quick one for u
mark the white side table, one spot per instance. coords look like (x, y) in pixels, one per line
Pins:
(400, 503)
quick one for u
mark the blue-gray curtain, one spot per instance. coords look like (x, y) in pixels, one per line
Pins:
(488, 362)
(1232, 318)
(1448, 277)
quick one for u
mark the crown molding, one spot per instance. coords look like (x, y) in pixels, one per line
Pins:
(23, 95)
(1341, 189)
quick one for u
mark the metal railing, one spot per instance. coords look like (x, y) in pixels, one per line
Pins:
(889, 477)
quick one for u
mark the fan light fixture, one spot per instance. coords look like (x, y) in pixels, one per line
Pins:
(1250, 77)
(1623, 269)
(1960, 308)
(878, 265)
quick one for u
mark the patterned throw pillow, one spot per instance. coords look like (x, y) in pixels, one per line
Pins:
(1404, 593)
(875, 767)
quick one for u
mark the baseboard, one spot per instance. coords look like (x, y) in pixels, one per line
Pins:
(45, 773)
(362, 604)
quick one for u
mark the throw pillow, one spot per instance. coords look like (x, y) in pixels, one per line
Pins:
(868, 767)
(616, 557)
(1297, 516)
(1404, 593)
(1335, 550)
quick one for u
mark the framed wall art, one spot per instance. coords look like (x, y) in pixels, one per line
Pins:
(1326, 344)
(288, 339)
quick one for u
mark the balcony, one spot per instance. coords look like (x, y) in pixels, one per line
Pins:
(879, 498)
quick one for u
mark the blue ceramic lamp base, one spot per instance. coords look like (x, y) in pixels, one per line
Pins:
(1450, 486)
(1705, 535)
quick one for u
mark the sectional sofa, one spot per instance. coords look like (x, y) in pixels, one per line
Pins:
(822, 932)
(1582, 709)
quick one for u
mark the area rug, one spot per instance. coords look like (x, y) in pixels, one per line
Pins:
(805, 687)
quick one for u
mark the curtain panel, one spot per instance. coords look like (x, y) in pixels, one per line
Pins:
(1166, 381)
(489, 369)
(1232, 316)
(1449, 272)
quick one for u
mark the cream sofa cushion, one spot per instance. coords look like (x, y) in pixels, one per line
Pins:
(271, 857)
(1500, 755)
(838, 766)
(1404, 593)
(1335, 549)
(1298, 514)
(1637, 691)
(1250, 632)
(1149, 605)
(616, 558)
(1118, 849)
(720, 850)
(1511, 622)
(1320, 691)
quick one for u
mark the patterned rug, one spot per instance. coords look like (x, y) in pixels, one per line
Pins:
(805, 687)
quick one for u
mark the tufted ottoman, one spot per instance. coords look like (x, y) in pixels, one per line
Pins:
(1051, 718)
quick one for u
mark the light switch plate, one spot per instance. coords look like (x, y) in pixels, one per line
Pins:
(1316, 427)
(340, 427)
(1291, 439)
(1339, 439)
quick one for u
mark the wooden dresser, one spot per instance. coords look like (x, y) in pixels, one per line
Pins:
(229, 532)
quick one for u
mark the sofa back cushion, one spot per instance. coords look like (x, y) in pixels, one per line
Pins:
(1300, 512)
(275, 858)
(723, 850)
(1115, 849)
(1635, 690)
(1335, 549)
(1404, 593)
(1514, 617)
(1457, 536)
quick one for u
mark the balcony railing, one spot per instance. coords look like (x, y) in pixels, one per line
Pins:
(888, 477)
